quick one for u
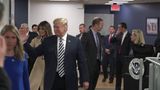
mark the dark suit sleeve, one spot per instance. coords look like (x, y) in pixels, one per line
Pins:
(84, 41)
(33, 52)
(4, 81)
(104, 43)
(32, 35)
(82, 64)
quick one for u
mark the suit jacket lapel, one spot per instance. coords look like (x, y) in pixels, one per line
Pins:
(68, 45)
(55, 45)
(125, 38)
(92, 38)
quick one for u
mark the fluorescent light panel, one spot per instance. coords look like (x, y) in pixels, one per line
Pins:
(119, 2)
(123, 0)
(59, 0)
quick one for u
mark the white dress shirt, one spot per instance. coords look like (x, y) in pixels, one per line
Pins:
(124, 35)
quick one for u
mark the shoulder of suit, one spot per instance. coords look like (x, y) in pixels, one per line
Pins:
(77, 35)
(50, 38)
(128, 33)
(33, 33)
(71, 37)
(88, 32)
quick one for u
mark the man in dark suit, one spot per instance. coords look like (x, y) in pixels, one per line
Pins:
(23, 29)
(109, 55)
(4, 80)
(82, 30)
(123, 44)
(93, 50)
(61, 51)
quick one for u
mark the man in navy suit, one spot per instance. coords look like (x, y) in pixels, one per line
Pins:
(61, 51)
(92, 44)
(123, 44)
(109, 55)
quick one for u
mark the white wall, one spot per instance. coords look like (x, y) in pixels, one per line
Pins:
(74, 12)
(5, 19)
(107, 18)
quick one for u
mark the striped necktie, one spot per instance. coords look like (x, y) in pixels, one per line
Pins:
(98, 46)
(60, 67)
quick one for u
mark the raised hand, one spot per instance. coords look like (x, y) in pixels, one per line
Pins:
(2, 50)
(23, 36)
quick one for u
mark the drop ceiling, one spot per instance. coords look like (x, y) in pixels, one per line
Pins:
(105, 1)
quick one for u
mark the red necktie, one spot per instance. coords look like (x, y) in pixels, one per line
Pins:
(109, 39)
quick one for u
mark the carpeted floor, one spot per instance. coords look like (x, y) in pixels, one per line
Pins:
(102, 89)
(104, 85)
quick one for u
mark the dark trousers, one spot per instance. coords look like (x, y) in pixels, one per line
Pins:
(59, 83)
(31, 62)
(108, 61)
(119, 66)
(94, 74)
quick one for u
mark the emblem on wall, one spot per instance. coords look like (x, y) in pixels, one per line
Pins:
(135, 66)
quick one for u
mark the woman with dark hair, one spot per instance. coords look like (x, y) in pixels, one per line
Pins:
(15, 64)
(37, 72)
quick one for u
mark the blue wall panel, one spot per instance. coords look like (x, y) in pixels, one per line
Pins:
(21, 12)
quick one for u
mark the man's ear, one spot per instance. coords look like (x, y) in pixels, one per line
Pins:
(66, 27)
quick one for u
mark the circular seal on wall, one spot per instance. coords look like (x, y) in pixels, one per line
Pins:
(134, 68)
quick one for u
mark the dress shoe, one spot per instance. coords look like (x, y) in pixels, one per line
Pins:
(104, 80)
(110, 81)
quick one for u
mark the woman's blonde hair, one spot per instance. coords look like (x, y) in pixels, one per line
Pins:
(18, 50)
(139, 36)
